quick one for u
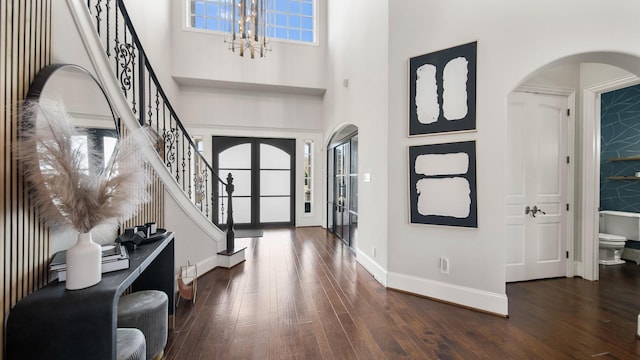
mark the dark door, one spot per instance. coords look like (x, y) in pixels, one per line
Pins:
(263, 170)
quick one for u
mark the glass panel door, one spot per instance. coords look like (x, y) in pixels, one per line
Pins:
(237, 161)
(342, 192)
(263, 173)
(275, 185)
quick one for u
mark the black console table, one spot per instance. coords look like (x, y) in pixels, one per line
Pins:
(54, 323)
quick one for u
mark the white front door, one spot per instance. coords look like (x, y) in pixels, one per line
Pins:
(536, 186)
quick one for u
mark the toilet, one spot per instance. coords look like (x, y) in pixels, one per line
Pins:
(615, 228)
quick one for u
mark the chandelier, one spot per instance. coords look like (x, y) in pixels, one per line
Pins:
(248, 28)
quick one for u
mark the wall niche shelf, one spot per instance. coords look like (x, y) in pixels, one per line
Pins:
(629, 158)
(623, 177)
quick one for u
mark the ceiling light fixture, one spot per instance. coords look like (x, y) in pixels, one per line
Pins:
(248, 28)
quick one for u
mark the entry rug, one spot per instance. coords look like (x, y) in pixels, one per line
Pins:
(248, 233)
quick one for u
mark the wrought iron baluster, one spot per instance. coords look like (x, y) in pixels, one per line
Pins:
(133, 77)
(164, 117)
(157, 106)
(141, 86)
(189, 167)
(183, 161)
(117, 43)
(108, 26)
(149, 106)
(205, 198)
(98, 11)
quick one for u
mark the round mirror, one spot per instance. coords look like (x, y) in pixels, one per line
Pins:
(87, 108)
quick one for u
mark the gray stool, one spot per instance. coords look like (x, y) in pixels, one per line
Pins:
(148, 311)
(130, 345)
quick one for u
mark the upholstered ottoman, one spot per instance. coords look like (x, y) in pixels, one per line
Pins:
(130, 345)
(148, 311)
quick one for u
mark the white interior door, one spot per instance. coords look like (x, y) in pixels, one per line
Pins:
(537, 169)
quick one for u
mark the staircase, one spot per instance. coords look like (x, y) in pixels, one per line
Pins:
(132, 86)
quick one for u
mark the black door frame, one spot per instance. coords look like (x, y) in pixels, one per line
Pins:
(222, 143)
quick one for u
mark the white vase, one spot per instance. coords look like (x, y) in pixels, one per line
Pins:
(84, 263)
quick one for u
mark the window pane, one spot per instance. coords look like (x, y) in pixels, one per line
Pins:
(241, 210)
(199, 8)
(241, 181)
(294, 7)
(108, 146)
(199, 22)
(281, 33)
(212, 9)
(275, 182)
(273, 158)
(212, 24)
(274, 209)
(307, 23)
(281, 5)
(294, 21)
(281, 20)
(236, 157)
(307, 9)
(294, 35)
(307, 36)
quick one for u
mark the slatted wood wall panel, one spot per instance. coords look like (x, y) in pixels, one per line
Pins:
(153, 211)
(25, 43)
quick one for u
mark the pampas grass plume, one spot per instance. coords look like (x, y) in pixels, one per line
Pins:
(66, 194)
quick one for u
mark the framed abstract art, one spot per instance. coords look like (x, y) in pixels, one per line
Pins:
(442, 91)
(442, 184)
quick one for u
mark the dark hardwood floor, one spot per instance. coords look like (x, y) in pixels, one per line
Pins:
(301, 295)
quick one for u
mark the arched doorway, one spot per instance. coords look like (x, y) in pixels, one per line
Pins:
(342, 185)
(584, 208)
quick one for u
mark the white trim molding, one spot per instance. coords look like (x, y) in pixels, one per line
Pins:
(378, 272)
(486, 301)
(591, 170)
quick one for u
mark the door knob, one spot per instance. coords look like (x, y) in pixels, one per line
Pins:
(527, 210)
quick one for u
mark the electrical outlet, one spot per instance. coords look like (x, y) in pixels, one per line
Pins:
(444, 266)
(374, 252)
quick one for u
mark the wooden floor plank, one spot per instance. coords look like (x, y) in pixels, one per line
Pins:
(302, 295)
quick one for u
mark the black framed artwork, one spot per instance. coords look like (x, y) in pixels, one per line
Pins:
(442, 91)
(442, 184)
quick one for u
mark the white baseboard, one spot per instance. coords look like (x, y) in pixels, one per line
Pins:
(578, 269)
(207, 265)
(378, 272)
(473, 298)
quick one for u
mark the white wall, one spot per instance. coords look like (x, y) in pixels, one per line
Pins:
(204, 55)
(66, 43)
(192, 244)
(151, 20)
(514, 40)
(358, 52)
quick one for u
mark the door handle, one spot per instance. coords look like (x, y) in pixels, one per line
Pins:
(533, 211)
(536, 210)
